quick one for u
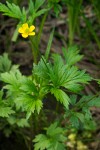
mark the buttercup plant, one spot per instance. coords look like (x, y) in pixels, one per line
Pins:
(22, 98)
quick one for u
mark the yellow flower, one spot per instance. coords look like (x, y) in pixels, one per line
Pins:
(81, 146)
(72, 137)
(26, 31)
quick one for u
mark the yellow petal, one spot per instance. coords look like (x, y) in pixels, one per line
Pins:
(31, 28)
(24, 35)
(32, 33)
(25, 26)
(20, 30)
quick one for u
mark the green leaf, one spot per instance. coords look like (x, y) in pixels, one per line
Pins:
(38, 105)
(73, 99)
(41, 142)
(54, 4)
(31, 7)
(1, 95)
(80, 116)
(57, 9)
(11, 10)
(53, 130)
(41, 70)
(53, 139)
(74, 121)
(89, 101)
(57, 71)
(13, 80)
(5, 63)
(28, 103)
(12, 120)
(40, 12)
(59, 75)
(98, 81)
(47, 52)
(22, 123)
(5, 111)
(38, 4)
(69, 77)
(75, 79)
(61, 96)
(88, 115)
(71, 55)
(28, 86)
(94, 102)
(57, 146)
(90, 125)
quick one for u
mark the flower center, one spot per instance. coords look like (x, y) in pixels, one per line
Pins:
(27, 31)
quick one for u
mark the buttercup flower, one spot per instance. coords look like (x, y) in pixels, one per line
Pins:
(81, 146)
(26, 31)
(72, 137)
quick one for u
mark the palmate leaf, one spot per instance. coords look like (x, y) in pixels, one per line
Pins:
(94, 102)
(98, 81)
(34, 6)
(28, 103)
(53, 129)
(5, 111)
(5, 63)
(41, 142)
(61, 75)
(53, 139)
(20, 122)
(57, 146)
(74, 121)
(76, 118)
(75, 79)
(61, 96)
(23, 92)
(69, 77)
(56, 71)
(71, 55)
(40, 12)
(31, 7)
(89, 101)
(55, 5)
(80, 113)
(56, 75)
(11, 10)
(38, 4)
(13, 79)
(28, 86)
(41, 70)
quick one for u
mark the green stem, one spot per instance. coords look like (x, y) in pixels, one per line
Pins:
(33, 129)
(41, 26)
(36, 40)
(31, 133)
(57, 107)
(35, 49)
(35, 122)
(73, 14)
(71, 32)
